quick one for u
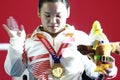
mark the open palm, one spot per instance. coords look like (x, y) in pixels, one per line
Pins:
(13, 29)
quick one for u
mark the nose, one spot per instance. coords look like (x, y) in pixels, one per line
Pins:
(53, 20)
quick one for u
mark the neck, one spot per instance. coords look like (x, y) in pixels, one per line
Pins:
(55, 34)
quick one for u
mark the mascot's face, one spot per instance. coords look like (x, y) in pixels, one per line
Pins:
(104, 50)
(99, 49)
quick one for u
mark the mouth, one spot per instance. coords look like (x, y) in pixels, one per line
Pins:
(54, 27)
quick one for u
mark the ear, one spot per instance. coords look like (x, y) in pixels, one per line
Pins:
(39, 11)
(115, 47)
(85, 50)
(68, 12)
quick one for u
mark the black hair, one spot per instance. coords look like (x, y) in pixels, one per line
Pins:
(41, 2)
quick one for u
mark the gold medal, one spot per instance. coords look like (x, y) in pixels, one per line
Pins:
(58, 70)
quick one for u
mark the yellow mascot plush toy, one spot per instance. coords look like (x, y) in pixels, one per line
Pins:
(100, 49)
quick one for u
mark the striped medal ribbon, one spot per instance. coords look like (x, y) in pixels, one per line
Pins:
(57, 69)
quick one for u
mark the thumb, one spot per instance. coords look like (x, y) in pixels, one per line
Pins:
(21, 28)
(22, 31)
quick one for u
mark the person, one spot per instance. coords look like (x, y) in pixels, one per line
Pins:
(50, 52)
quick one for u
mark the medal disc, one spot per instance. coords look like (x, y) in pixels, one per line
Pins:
(58, 70)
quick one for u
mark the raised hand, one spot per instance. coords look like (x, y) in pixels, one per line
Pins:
(13, 29)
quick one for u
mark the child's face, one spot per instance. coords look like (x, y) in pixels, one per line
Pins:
(53, 16)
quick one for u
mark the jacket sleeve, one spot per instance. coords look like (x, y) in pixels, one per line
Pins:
(14, 65)
(89, 67)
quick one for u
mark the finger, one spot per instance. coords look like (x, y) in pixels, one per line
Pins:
(7, 30)
(19, 33)
(9, 24)
(21, 28)
(13, 23)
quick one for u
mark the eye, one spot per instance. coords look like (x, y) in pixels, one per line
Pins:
(101, 42)
(58, 15)
(47, 15)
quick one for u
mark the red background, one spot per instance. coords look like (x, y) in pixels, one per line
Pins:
(83, 13)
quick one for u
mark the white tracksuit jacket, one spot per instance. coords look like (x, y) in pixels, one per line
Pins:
(72, 60)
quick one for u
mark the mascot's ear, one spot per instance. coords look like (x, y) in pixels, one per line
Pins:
(115, 47)
(85, 49)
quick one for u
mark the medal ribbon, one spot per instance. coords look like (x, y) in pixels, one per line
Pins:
(55, 56)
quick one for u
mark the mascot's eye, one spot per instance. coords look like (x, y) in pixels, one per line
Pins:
(102, 42)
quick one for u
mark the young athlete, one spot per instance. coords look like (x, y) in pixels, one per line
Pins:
(50, 52)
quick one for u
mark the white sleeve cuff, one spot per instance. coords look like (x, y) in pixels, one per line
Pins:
(17, 44)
